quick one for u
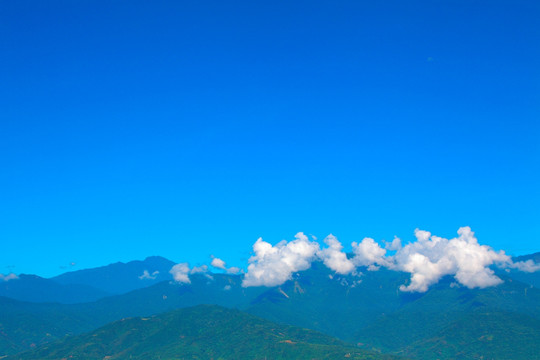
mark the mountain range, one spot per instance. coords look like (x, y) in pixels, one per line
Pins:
(366, 311)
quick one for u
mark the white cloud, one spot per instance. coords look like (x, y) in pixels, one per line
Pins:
(334, 258)
(203, 269)
(427, 259)
(432, 257)
(218, 263)
(367, 253)
(525, 266)
(10, 276)
(227, 287)
(199, 269)
(373, 267)
(147, 275)
(234, 270)
(273, 265)
(180, 273)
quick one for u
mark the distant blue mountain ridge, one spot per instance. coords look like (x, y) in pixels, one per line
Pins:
(92, 284)
(119, 278)
(89, 284)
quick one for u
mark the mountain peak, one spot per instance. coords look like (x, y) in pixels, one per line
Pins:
(119, 278)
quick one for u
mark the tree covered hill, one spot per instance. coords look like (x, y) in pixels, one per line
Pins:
(201, 332)
(481, 334)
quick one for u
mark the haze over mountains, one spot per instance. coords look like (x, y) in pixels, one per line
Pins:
(365, 308)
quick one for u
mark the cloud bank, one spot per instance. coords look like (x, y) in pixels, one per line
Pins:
(428, 259)
(431, 257)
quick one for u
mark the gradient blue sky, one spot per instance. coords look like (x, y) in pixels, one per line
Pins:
(191, 128)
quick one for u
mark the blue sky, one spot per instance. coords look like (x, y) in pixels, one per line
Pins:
(191, 128)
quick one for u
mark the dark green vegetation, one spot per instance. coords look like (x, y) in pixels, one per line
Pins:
(482, 335)
(458, 323)
(375, 315)
(201, 332)
(26, 325)
(337, 305)
(23, 325)
(446, 322)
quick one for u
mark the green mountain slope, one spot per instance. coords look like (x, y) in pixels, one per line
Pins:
(26, 325)
(376, 315)
(201, 332)
(334, 304)
(487, 335)
(450, 323)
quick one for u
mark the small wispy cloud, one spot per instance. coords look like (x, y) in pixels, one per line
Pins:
(7, 277)
(71, 264)
(220, 264)
(234, 270)
(147, 276)
(525, 266)
(199, 269)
